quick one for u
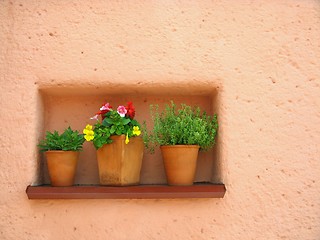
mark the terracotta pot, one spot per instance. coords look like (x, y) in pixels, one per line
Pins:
(180, 162)
(62, 167)
(119, 163)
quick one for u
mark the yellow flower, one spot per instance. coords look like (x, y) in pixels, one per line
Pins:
(136, 131)
(87, 128)
(127, 139)
(89, 134)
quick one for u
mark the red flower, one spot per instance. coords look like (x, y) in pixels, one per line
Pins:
(130, 110)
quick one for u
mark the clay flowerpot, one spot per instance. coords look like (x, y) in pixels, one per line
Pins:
(62, 167)
(180, 162)
(120, 163)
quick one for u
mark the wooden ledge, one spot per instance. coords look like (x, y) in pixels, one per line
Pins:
(199, 190)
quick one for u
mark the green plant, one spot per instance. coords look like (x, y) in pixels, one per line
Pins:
(69, 140)
(114, 122)
(184, 126)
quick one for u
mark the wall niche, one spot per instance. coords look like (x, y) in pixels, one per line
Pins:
(64, 106)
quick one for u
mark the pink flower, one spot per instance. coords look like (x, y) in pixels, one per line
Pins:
(106, 107)
(95, 117)
(122, 111)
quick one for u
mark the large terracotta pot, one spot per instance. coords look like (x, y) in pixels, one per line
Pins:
(62, 167)
(180, 162)
(119, 163)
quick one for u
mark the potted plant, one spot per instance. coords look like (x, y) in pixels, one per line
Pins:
(181, 133)
(62, 153)
(119, 149)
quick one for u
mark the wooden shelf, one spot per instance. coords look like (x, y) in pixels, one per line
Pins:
(198, 190)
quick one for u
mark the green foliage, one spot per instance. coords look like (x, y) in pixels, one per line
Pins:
(112, 124)
(184, 126)
(69, 140)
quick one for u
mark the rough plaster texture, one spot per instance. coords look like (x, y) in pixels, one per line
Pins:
(262, 57)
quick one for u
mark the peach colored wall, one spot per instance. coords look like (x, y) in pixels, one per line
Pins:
(262, 57)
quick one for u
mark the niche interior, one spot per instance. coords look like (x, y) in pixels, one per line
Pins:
(73, 106)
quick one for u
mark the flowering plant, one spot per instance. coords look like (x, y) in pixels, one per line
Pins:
(114, 122)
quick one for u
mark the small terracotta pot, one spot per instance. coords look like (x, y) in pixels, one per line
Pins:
(119, 163)
(62, 167)
(180, 162)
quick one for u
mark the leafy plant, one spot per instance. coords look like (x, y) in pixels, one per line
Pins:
(114, 122)
(69, 140)
(184, 126)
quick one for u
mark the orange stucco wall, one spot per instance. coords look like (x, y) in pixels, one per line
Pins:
(256, 63)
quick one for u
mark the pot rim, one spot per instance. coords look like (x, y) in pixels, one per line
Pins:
(122, 136)
(59, 151)
(179, 146)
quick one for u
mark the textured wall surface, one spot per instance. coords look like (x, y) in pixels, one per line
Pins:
(263, 55)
